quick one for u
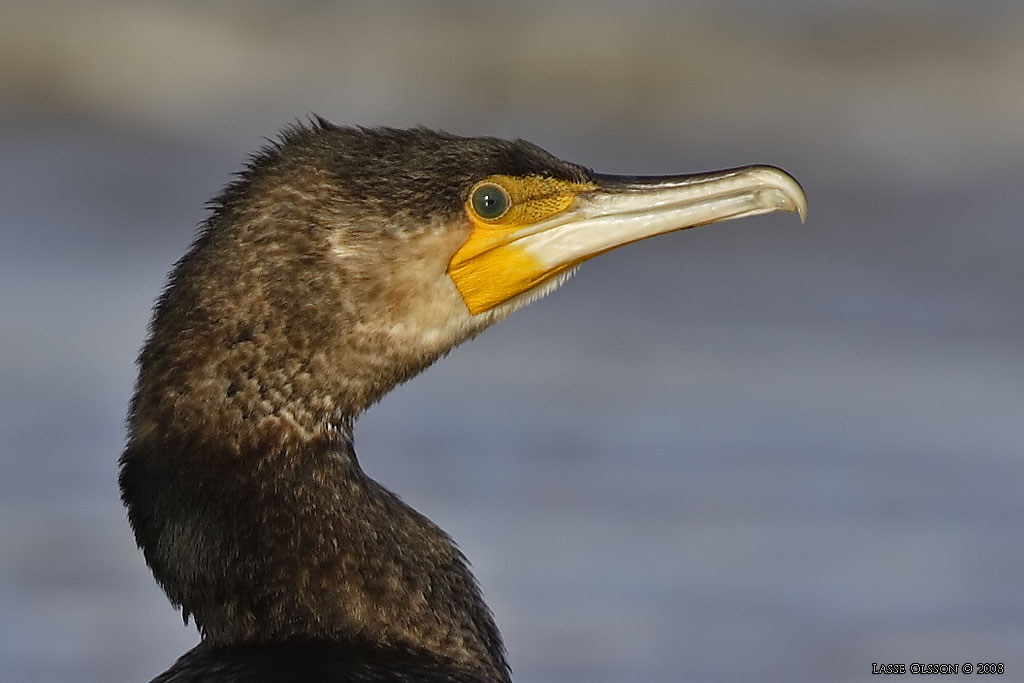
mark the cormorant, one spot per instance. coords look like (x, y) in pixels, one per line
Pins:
(340, 263)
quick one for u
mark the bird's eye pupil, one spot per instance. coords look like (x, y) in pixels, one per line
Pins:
(490, 201)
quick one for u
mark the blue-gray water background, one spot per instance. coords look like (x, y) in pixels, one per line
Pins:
(756, 451)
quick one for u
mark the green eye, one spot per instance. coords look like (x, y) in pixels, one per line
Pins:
(489, 201)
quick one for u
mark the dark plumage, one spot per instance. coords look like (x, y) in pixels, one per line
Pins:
(240, 478)
(319, 282)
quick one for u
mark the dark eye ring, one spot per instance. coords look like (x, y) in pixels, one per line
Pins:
(490, 201)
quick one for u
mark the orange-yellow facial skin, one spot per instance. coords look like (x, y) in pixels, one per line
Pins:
(488, 269)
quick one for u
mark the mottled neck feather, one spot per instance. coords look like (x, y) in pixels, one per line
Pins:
(279, 546)
(318, 284)
(291, 314)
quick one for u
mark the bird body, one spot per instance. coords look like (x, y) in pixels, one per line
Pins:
(340, 263)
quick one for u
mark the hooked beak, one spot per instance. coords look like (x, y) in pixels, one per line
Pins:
(624, 209)
(494, 266)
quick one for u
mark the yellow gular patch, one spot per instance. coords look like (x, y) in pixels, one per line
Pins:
(488, 269)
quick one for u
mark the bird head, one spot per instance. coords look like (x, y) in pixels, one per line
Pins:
(343, 261)
(340, 263)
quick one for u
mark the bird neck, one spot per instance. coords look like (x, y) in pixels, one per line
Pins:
(297, 543)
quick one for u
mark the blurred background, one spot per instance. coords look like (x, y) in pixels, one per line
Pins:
(758, 451)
